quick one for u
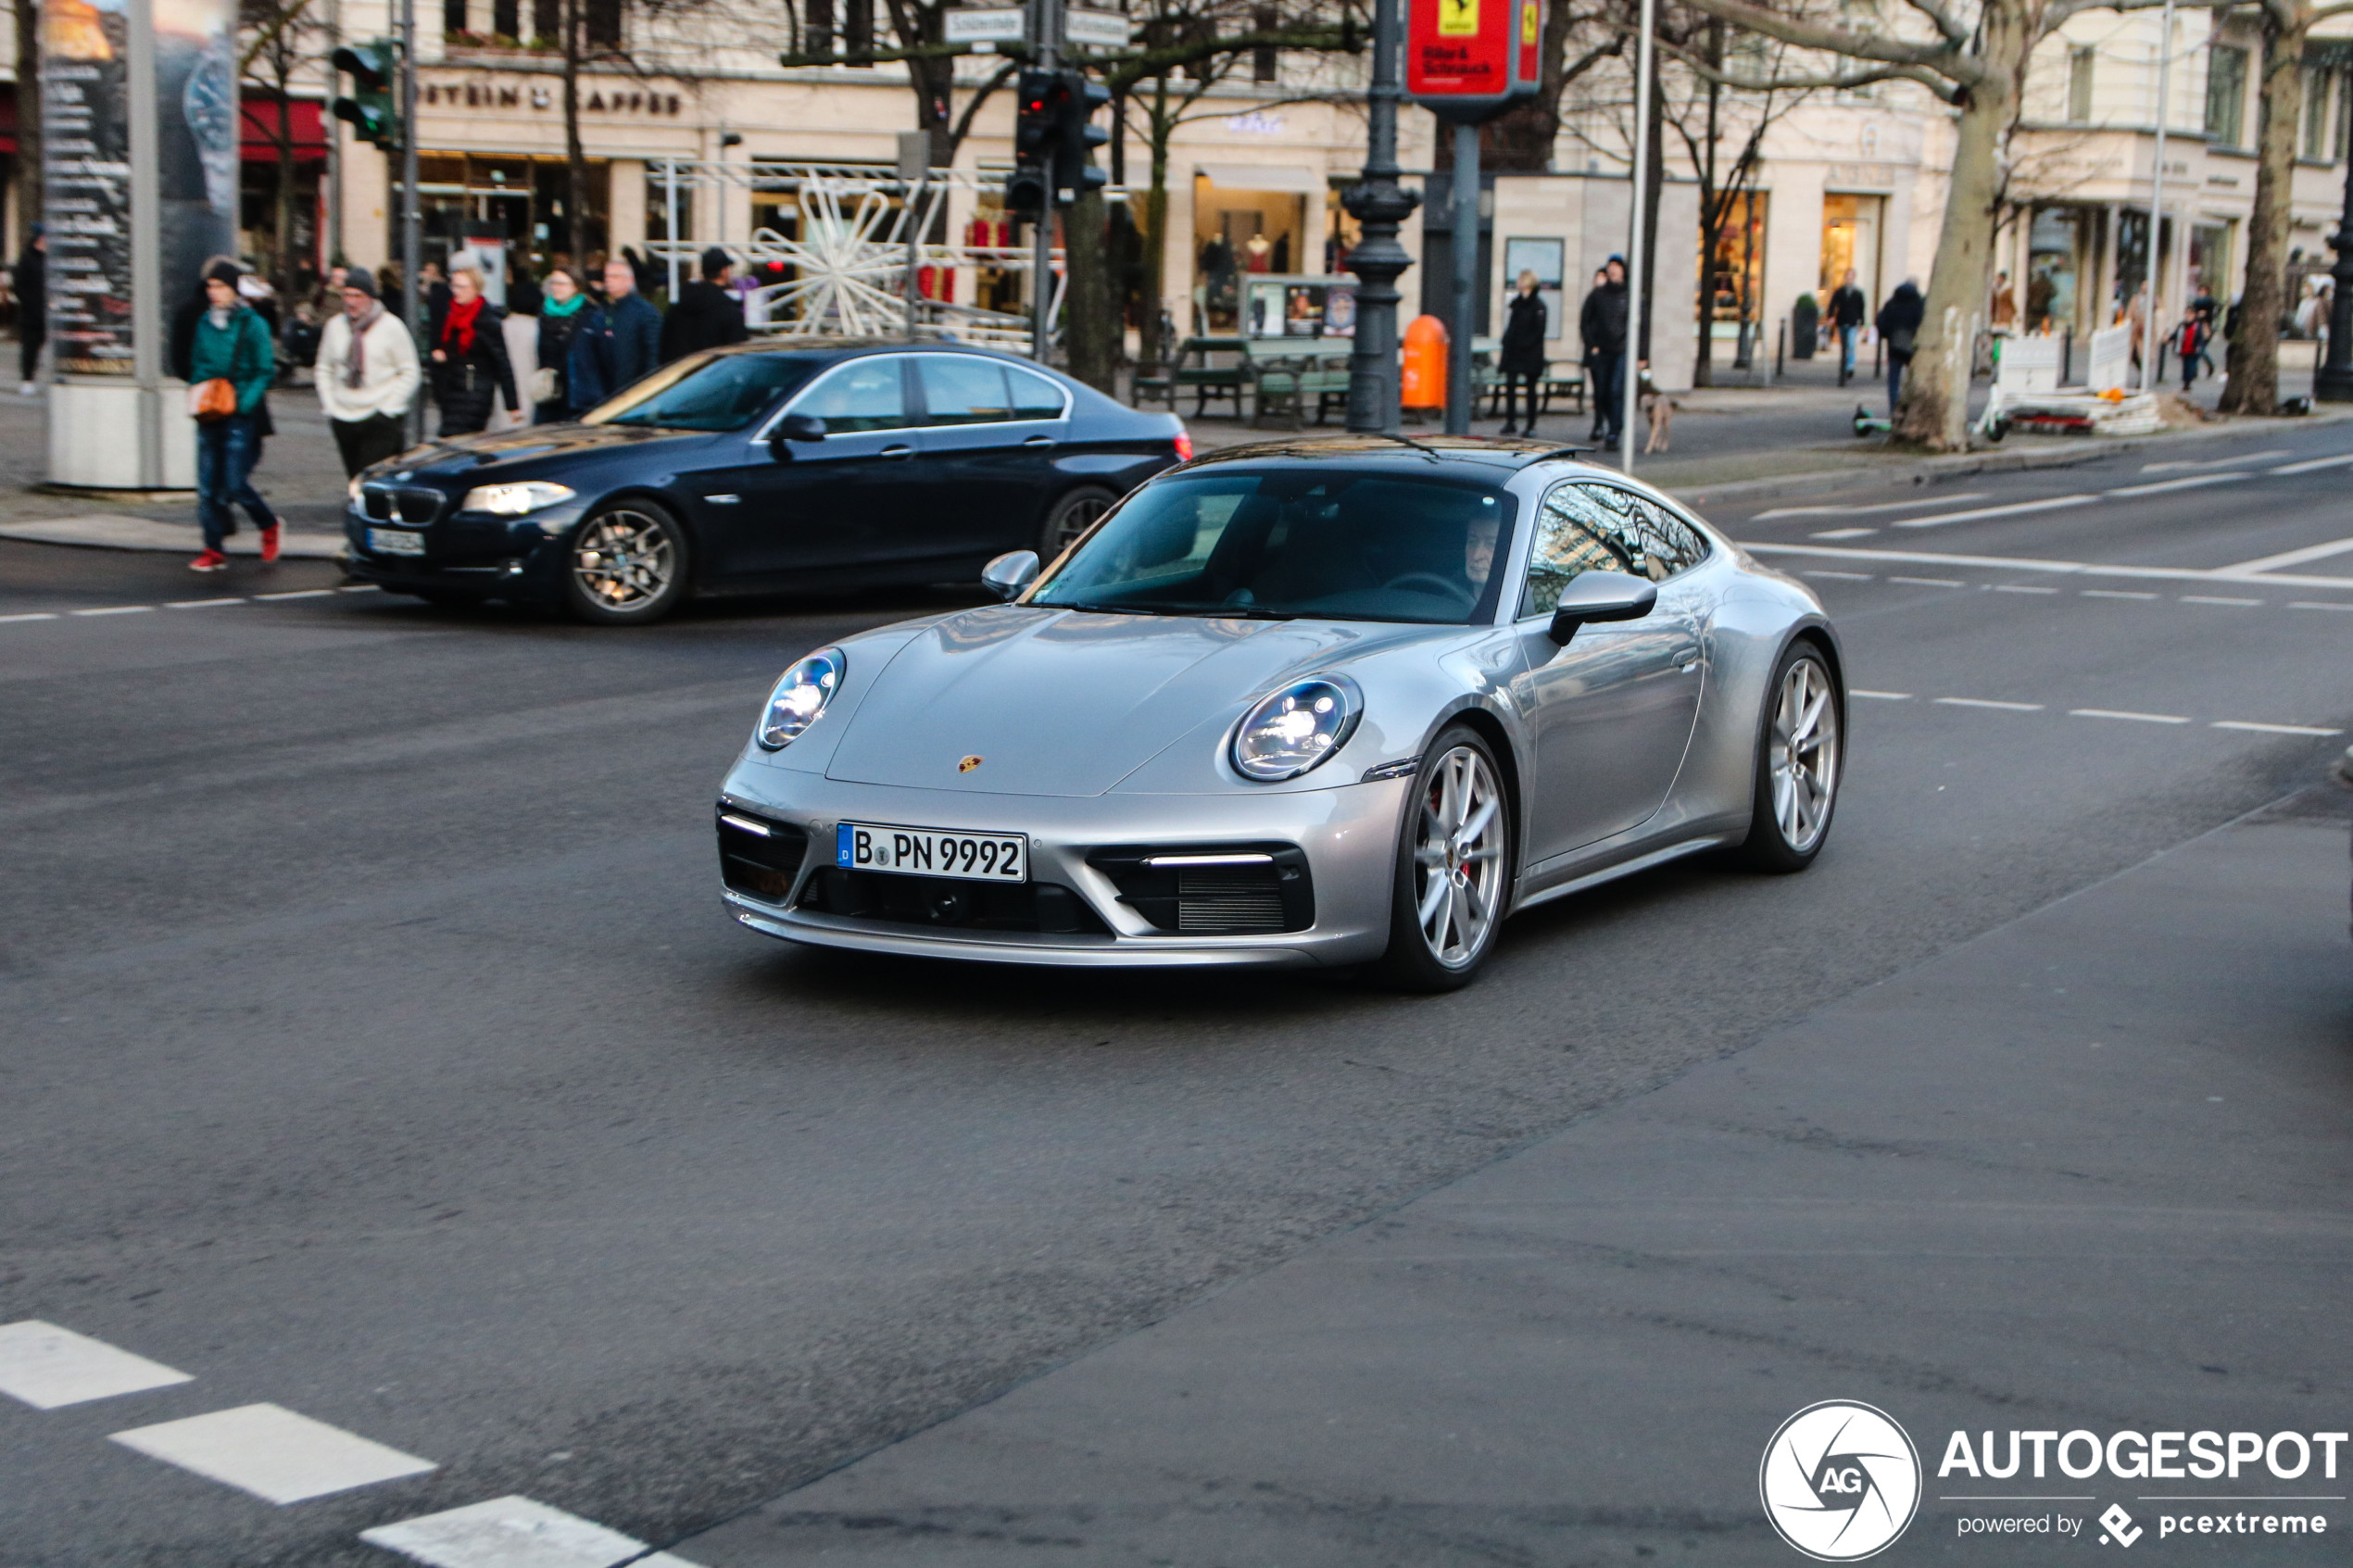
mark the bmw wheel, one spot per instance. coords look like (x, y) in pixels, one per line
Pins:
(626, 566)
(1071, 516)
(1453, 880)
(1800, 752)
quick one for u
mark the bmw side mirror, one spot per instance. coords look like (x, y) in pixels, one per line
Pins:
(1009, 574)
(792, 428)
(1601, 596)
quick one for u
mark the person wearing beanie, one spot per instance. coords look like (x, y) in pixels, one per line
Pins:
(707, 315)
(231, 344)
(31, 282)
(367, 375)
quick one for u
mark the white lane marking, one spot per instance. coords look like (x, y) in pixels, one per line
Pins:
(2114, 594)
(513, 1533)
(2048, 504)
(1843, 533)
(2317, 604)
(2213, 462)
(2273, 728)
(2216, 600)
(1930, 581)
(2191, 482)
(115, 610)
(2289, 558)
(47, 1366)
(1843, 576)
(2022, 588)
(1983, 702)
(298, 594)
(275, 1454)
(1883, 697)
(2312, 465)
(360, 588)
(1834, 511)
(2120, 713)
(34, 615)
(2031, 563)
(200, 604)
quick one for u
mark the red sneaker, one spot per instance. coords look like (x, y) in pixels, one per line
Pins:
(211, 561)
(270, 544)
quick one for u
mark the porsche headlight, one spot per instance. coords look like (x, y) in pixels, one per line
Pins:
(514, 500)
(1297, 728)
(800, 696)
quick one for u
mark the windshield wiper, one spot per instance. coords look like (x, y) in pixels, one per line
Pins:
(1219, 612)
(1429, 452)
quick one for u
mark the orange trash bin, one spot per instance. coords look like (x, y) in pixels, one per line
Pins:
(1424, 382)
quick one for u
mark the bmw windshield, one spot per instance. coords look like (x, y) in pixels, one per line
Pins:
(1378, 546)
(707, 392)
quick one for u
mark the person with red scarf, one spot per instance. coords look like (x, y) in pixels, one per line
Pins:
(470, 363)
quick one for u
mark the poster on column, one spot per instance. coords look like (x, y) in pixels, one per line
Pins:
(88, 156)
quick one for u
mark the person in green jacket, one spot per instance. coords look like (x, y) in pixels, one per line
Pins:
(233, 344)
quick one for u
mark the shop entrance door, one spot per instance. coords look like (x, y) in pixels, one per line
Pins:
(1851, 228)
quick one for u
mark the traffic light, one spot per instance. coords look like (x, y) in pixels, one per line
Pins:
(1026, 188)
(372, 66)
(1076, 136)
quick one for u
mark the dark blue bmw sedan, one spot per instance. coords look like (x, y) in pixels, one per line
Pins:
(761, 469)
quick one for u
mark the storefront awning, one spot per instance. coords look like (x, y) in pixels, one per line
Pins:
(258, 130)
(1263, 177)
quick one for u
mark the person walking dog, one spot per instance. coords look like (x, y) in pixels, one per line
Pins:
(470, 363)
(231, 363)
(367, 375)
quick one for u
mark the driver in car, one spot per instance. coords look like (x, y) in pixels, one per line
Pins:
(1478, 551)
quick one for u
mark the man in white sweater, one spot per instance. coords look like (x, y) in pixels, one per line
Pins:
(367, 375)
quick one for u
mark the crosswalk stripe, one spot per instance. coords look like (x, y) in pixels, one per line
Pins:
(48, 1367)
(513, 1532)
(272, 1453)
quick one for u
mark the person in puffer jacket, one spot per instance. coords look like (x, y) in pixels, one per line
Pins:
(470, 363)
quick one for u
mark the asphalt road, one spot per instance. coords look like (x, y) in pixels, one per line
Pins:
(377, 1048)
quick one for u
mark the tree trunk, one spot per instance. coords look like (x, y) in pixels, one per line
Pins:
(285, 205)
(1090, 333)
(1934, 411)
(1156, 352)
(2253, 361)
(1704, 360)
(27, 119)
(575, 157)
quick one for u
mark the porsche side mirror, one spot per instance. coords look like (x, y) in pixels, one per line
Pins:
(792, 428)
(1601, 596)
(1009, 574)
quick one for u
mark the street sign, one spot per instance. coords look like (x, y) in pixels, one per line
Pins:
(1097, 30)
(1466, 60)
(985, 27)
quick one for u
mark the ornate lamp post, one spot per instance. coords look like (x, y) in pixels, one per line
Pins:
(1380, 203)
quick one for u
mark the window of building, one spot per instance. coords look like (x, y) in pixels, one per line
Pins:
(857, 30)
(2079, 83)
(1263, 61)
(817, 28)
(546, 21)
(453, 16)
(603, 18)
(2319, 90)
(2226, 95)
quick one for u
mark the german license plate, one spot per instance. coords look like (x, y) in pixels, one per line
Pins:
(396, 541)
(970, 856)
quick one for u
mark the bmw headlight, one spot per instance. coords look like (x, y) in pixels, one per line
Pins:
(514, 500)
(800, 696)
(352, 490)
(1297, 728)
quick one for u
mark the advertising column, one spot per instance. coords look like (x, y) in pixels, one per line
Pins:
(140, 178)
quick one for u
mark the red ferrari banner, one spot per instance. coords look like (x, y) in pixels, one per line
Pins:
(1465, 59)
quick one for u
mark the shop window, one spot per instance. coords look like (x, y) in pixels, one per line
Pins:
(2079, 83)
(2226, 95)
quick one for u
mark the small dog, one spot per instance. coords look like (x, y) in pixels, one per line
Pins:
(1658, 408)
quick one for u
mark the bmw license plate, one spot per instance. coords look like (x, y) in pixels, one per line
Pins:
(396, 541)
(971, 857)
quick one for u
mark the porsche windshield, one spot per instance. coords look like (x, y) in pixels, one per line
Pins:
(1332, 544)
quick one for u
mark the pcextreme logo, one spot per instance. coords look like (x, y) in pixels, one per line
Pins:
(1840, 1481)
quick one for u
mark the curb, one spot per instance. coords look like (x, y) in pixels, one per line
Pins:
(175, 538)
(1989, 460)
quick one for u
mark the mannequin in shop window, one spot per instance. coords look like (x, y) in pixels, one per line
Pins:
(1258, 254)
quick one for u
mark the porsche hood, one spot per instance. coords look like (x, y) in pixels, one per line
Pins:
(1062, 702)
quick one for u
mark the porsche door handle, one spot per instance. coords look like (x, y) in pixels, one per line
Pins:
(901, 450)
(1686, 661)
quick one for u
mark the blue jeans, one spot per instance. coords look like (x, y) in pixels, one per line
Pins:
(1894, 379)
(1846, 350)
(225, 453)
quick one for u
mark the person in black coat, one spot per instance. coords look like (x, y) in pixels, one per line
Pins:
(1847, 308)
(1602, 324)
(31, 284)
(1522, 361)
(470, 364)
(1899, 327)
(624, 344)
(707, 315)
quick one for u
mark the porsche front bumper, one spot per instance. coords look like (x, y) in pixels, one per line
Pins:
(1349, 837)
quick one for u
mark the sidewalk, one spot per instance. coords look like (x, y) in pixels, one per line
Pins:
(2088, 1171)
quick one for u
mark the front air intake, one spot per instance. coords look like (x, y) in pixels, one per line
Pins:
(1213, 889)
(1237, 901)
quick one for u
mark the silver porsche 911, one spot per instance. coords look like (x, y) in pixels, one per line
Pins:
(1332, 703)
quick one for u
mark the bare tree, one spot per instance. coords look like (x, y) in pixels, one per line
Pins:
(283, 39)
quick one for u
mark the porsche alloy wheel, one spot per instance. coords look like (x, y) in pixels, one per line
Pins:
(1798, 763)
(628, 564)
(1455, 869)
